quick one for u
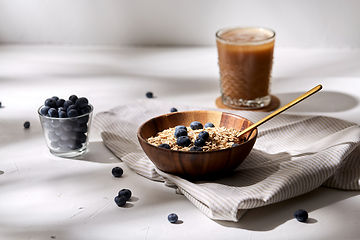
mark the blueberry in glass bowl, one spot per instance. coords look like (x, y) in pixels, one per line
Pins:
(66, 127)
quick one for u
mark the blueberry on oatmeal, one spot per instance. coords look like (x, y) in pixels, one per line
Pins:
(196, 149)
(204, 135)
(207, 125)
(199, 142)
(164, 145)
(196, 125)
(183, 141)
(180, 133)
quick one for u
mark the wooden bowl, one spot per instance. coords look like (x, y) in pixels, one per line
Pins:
(196, 165)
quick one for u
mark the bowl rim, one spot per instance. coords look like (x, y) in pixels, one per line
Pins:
(195, 152)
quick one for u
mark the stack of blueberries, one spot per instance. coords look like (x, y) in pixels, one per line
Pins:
(183, 139)
(68, 123)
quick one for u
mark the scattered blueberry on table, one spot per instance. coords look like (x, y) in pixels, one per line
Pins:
(117, 171)
(149, 95)
(26, 124)
(120, 201)
(123, 196)
(301, 215)
(173, 217)
(125, 192)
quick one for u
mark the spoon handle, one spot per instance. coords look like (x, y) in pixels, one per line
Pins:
(282, 109)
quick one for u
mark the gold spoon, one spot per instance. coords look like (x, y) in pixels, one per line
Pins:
(282, 109)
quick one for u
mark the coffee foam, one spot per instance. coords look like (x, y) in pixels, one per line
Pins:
(246, 35)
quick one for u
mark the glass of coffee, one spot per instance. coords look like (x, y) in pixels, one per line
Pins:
(245, 62)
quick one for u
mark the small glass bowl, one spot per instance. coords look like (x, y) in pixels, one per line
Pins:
(67, 137)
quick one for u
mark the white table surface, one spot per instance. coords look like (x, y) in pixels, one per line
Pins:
(47, 197)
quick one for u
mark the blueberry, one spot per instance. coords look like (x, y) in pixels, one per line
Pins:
(68, 103)
(180, 127)
(81, 137)
(55, 123)
(59, 131)
(68, 126)
(44, 110)
(84, 119)
(196, 125)
(54, 144)
(117, 171)
(55, 98)
(53, 137)
(85, 109)
(172, 217)
(71, 107)
(73, 113)
(26, 124)
(164, 145)
(199, 142)
(80, 128)
(53, 113)
(74, 144)
(73, 98)
(183, 141)
(81, 102)
(180, 133)
(61, 109)
(62, 114)
(63, 143)
(0, 104)
(126, 193)
(235, 145)
(173, 110)
(120, 201)
(64, 149)
(149, 95)
(66, 135)
(50, 102)
(60, 102)
(196, 149)
(207, 125)
(301, 215)
(204, 135)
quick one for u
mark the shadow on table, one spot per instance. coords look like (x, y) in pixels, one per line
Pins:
(98, 152)
(269, 217)
(324, 101)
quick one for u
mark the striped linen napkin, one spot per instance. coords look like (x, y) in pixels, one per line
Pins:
(292, 155)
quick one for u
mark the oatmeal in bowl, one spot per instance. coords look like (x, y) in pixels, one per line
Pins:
(172, 143)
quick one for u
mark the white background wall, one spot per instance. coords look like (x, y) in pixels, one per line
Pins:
(298, 23)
